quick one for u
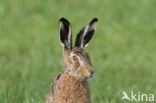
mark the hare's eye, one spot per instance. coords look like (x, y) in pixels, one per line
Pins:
(75, 58)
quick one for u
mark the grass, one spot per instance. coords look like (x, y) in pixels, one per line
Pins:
(122, 50)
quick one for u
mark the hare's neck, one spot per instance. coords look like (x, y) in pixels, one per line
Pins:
(74, 82)
(72, 89)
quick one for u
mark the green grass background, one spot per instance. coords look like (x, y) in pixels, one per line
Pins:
(123, 49)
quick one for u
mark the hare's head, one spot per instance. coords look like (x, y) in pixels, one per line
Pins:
(76, 61)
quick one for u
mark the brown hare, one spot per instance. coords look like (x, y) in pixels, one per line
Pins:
(71, 85)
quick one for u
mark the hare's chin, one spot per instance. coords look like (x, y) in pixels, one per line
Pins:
(83, 78)
(78, 76)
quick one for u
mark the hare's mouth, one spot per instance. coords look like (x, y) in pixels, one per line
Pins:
(91, 74)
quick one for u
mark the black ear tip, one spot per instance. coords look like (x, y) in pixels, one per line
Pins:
(95, 19)
(63, 20)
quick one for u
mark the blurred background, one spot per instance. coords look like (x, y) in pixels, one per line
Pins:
(123, 49)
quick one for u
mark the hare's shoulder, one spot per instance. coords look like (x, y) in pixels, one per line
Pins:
(54, 83)
(49, 98)
(57, 78)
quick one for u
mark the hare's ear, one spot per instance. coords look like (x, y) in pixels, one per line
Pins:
(65, 33)
(86, 33)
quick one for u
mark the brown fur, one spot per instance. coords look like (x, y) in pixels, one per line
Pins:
(68, 89)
